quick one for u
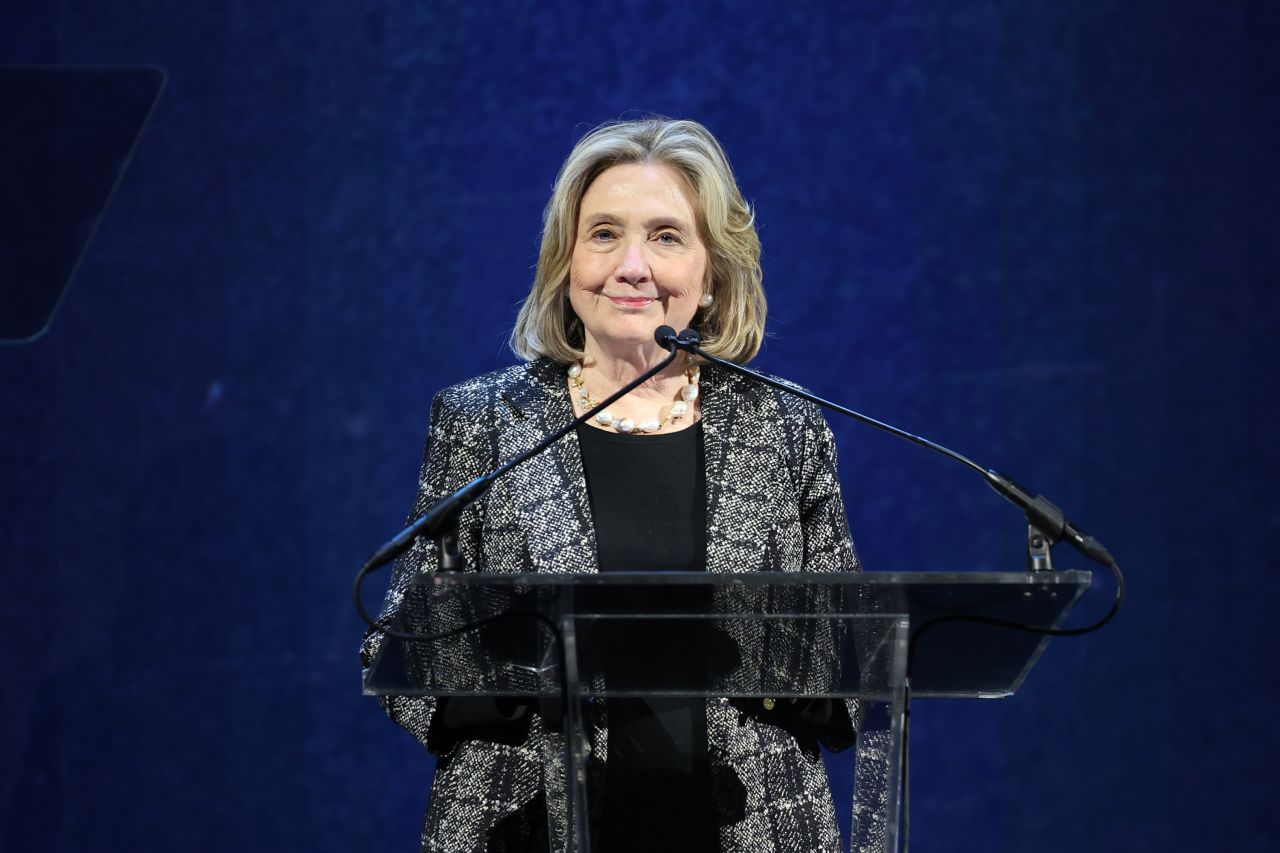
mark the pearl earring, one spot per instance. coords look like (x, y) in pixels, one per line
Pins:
(706, 300)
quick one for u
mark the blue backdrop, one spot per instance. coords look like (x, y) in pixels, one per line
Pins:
(1039, 232)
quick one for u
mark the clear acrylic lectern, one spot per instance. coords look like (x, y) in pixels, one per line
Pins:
(563, 641)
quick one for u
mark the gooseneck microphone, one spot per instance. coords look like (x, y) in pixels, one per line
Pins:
(440, 521)
(1040, 513)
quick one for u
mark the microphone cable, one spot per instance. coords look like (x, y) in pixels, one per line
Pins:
(973, 618)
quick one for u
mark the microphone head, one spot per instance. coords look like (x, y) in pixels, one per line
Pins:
(665, 337)
(689, 338)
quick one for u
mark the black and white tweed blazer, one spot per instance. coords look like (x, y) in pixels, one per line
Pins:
(773, 504)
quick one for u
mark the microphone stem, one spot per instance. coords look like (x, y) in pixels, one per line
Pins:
(444, 512)
(1041, 514)
(585, 416)
(836, 407)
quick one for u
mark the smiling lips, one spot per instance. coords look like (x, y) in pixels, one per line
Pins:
(631, 301)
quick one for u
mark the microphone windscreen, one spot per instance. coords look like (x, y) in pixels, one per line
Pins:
(665, 337)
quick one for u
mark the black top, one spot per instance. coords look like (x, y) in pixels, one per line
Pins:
(649, 498)
(649, 501)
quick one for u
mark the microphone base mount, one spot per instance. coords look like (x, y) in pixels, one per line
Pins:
(1039, 553)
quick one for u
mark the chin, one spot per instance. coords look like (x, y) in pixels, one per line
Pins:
(633, 334)
(639, 326)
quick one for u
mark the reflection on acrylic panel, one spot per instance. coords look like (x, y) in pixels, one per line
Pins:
(69, 135)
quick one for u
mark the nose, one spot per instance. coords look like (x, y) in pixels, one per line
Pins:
(633, 266)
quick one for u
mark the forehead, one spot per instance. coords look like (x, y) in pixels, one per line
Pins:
(642, 188)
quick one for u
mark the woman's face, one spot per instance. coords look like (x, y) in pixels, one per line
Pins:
(637, 261)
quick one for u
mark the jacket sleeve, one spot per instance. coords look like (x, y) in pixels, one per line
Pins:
(828, 547)
(456, 452)
(827, 544)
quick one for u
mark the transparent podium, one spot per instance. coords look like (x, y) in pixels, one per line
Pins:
(761, 641)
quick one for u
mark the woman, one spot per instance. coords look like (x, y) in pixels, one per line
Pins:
(696, 469)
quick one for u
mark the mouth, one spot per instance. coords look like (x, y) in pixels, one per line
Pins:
(632, 301)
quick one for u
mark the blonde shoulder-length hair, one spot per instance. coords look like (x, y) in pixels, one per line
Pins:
(732, 327)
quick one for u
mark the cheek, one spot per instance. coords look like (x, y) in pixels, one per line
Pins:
(579, 302)
(691, 285)
(575, 272)
(582, 274)
(681, 310)
(682, 279)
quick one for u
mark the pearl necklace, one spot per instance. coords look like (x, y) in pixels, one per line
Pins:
(679, 408)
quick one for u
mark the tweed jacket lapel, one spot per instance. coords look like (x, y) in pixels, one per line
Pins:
(717, 412)
(744, 465)
(546, 497)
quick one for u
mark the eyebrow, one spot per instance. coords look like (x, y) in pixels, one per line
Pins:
(649, 224)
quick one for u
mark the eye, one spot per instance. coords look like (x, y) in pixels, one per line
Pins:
(669, 238)
(602, 234)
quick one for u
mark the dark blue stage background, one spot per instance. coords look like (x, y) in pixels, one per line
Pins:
(1039, 232)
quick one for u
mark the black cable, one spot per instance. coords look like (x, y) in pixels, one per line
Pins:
(388, 631)
(1022, 626)
(905, 791)
(905, 798)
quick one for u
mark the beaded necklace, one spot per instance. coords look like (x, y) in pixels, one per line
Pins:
(680, 408)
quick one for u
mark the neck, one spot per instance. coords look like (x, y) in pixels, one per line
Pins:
(610, 370)
(652, 407)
